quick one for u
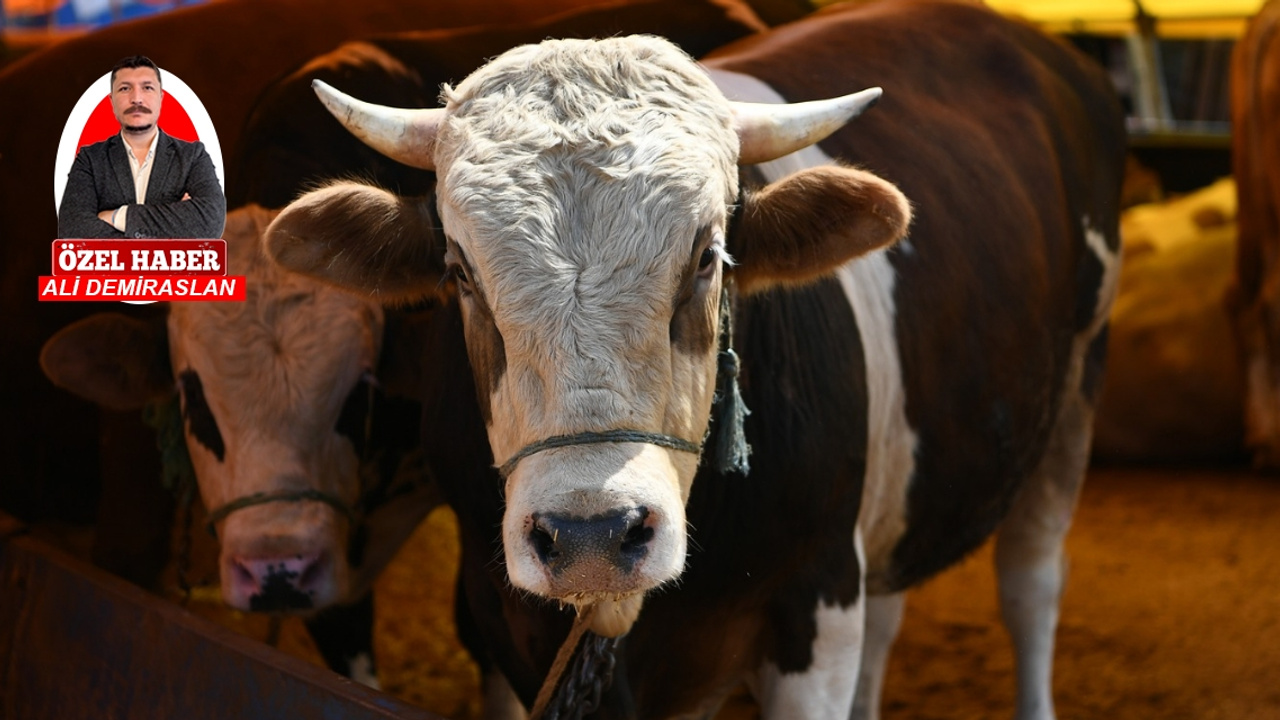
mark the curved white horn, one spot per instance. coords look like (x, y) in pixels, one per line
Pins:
(406, 136)
(767, 132)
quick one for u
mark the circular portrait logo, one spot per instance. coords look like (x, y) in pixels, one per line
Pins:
(182, 116)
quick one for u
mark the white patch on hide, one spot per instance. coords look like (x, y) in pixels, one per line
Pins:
(825, 689)
(868, 283)
(1110, 284)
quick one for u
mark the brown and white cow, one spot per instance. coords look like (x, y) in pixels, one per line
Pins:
(1255, 158)
(906, 400)
(295, 446)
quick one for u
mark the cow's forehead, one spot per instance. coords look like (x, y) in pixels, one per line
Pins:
(536, 96)
(291, 349)
(536, 137)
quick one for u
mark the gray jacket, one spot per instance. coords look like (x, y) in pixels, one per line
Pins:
(100, 179)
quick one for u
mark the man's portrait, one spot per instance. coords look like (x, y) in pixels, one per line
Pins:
(141, 182)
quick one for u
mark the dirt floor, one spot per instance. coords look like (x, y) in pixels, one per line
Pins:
(1172, 611)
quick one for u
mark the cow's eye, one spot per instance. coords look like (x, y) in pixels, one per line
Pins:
(711, 240)
(357, 410)
(708, 257)
(456, 268)
(461, 277)
(707, 262)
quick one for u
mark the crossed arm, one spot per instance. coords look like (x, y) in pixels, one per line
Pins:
(200, 213)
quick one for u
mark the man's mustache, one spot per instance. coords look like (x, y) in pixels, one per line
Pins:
(138, 109)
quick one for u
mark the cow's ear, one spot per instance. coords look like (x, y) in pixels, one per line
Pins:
(807, 224)
(119, 362)
(362, 239)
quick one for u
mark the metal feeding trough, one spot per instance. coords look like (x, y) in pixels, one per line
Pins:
(76, 642)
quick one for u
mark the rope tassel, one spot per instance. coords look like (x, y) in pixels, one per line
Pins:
(732, 450)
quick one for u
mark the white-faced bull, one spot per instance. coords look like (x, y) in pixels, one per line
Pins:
(905, 402)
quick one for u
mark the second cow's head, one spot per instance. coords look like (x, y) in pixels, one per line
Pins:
(582, 216)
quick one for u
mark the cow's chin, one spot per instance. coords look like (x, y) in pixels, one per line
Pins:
(602, 528)
(612, 617)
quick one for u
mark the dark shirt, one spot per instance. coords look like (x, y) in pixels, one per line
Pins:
(101, 179)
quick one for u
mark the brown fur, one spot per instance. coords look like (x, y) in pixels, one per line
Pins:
(488, 356)
(1003, 156)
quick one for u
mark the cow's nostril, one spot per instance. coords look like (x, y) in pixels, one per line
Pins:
(311, 574)
(544, 541)
(636, 538)
(244, 575)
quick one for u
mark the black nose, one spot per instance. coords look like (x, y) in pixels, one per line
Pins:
(618, 538)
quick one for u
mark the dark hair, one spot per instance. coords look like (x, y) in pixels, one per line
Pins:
(134, 61)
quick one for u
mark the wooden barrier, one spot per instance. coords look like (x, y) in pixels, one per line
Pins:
(76, 642)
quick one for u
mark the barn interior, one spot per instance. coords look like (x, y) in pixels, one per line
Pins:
(1171, 604)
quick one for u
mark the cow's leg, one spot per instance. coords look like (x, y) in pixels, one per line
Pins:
(826, 687)
(344, 636)
(1029, 556)
(1029, 560)
(884, 617)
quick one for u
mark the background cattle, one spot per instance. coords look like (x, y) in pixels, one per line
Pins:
(1175, 386)
(228, 52)
(1255, 157)
(956, 374)
(297, 390)
(290, 142)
